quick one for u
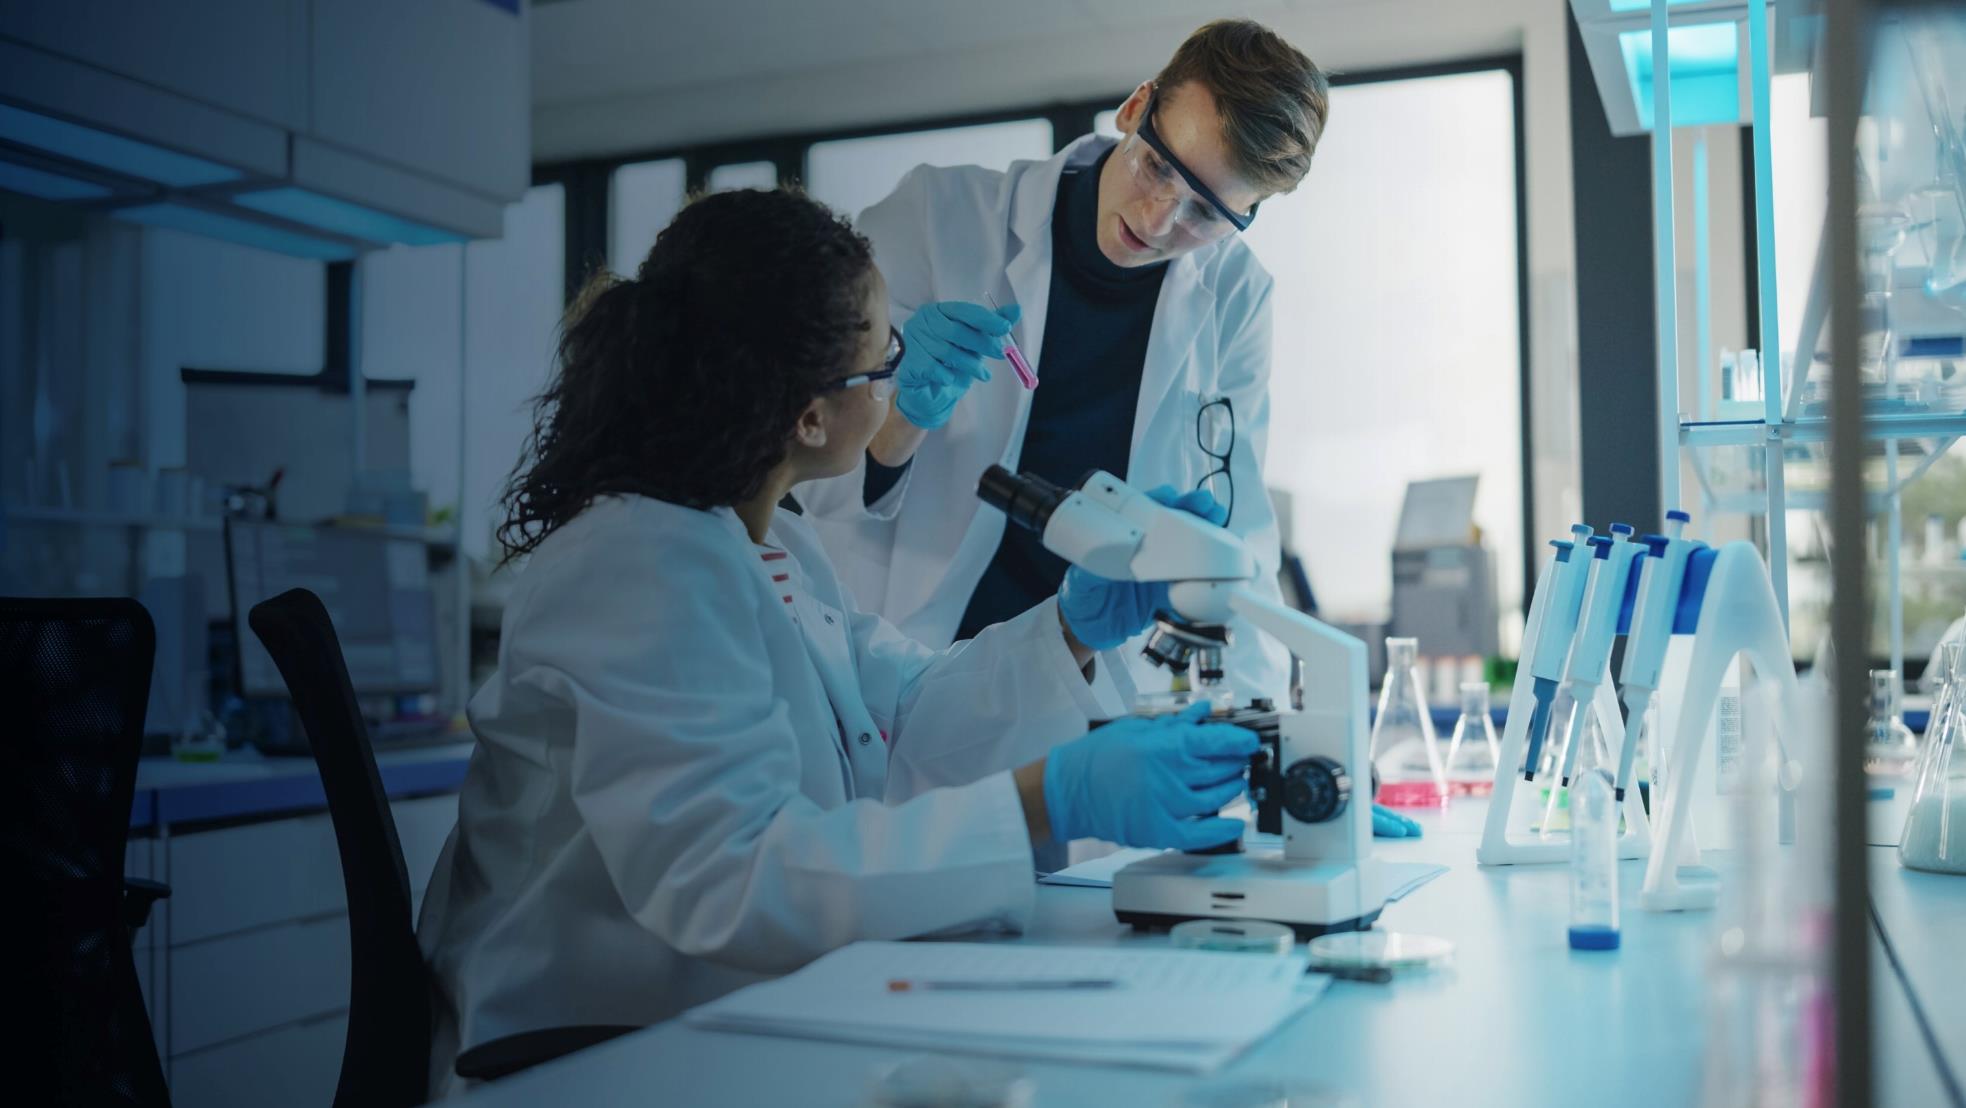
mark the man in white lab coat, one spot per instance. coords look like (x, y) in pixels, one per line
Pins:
(1122, 280)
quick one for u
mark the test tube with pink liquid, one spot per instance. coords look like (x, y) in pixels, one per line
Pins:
(1014, 356)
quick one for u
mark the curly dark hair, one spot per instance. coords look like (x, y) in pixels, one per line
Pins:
(685, 382)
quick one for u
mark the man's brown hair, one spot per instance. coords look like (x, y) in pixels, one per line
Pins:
(1272, 99)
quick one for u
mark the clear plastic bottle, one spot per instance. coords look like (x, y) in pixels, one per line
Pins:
(1473, 751)
(1890, 747)
(1404, 746)
(1593, 861)
(1935, 828)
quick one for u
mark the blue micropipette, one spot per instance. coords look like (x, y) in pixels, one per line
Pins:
(1569, 572)
(1590, 653)
(1662, 573)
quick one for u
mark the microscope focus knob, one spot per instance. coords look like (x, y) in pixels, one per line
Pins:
(1316, 790)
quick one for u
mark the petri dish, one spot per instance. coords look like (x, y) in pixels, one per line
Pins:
(933, 1081)
(1260, 1093)
(1379, 949)
(1237, 936)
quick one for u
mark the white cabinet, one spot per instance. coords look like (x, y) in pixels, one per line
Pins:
(368, 121)
(247, 56)
(439, 86)
(247, 975)
(230, 988)
(295, 1066)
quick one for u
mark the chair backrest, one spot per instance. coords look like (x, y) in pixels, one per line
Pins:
(74, 680)
(386, 1059)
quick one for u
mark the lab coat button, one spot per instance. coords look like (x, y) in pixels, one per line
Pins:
(829, 619)
(865, 738)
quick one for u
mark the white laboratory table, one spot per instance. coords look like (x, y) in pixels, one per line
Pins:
(1519, 1019)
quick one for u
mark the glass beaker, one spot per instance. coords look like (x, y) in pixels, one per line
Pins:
(1890, 747)
(1935, 828)
(1404, 747)
(1473, 752)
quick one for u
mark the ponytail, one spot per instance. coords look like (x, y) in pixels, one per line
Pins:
(683, 383)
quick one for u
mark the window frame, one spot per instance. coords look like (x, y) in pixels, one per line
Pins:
(586, 181)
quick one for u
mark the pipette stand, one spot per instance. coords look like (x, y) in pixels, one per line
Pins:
(1506, 837)
(1737, 615)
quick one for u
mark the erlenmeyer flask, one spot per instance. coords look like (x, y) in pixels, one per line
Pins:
(1404, 748)
(1935, 829)
(1890, 746)
(1473, 751)
(1942, 669)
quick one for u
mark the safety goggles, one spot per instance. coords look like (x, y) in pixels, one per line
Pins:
(883, 378)
(1199, 214)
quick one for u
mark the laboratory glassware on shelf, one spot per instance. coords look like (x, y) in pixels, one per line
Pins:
(1474, 751)
(1890, 747)
(1405, 748)
(1934, 835)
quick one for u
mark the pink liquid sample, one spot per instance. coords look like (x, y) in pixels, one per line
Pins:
(1016, 358)
(1411, 794)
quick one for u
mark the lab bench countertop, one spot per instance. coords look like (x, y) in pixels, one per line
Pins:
(245, 785)
(1518, 1018)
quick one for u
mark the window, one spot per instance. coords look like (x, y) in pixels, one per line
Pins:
(744, 175)
(642, 199)
(1397, 335)
(513, 299)
(849, 175)
(511, 292)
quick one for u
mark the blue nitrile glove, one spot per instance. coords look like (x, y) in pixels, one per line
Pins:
(1388, 824)
(1155, 781)
(1104, 614)
(947, 344)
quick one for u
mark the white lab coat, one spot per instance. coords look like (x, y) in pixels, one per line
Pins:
(915, 557)
(683, 783)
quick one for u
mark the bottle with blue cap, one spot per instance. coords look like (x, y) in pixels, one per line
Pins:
(1593, 860)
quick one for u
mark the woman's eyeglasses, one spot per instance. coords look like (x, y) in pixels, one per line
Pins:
(883, 378)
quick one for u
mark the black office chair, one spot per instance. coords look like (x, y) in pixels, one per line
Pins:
(74, 681)
(387, 1056)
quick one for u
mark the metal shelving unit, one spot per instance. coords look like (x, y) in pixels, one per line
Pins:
(1785, 424)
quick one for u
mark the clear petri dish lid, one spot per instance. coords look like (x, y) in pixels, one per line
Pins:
(1379, 949)
(1261, 1093)
(1237, 936)
(935, 1081)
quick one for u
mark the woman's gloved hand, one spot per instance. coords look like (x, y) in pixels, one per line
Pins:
(1102, 613)
(947, 343)
(1154, 781)
(1388, 824)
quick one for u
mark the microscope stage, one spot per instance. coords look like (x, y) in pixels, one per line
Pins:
(1312, 898)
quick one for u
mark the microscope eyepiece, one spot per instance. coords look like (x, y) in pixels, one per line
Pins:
(1027, 499)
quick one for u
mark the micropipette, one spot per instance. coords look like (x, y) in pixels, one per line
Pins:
(1014, 356)
(1553, 638)
(1662, 574)
(1590, 655)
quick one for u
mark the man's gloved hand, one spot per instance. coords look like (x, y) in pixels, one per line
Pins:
(1388, 824)
(1102, 613)
(1149, 781)
(947, 344)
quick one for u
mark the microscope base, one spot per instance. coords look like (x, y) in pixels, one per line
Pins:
(1312, 898)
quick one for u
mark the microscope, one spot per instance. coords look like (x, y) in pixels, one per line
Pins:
(1309, 783)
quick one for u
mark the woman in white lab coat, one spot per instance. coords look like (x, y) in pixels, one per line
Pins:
(697, 762)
